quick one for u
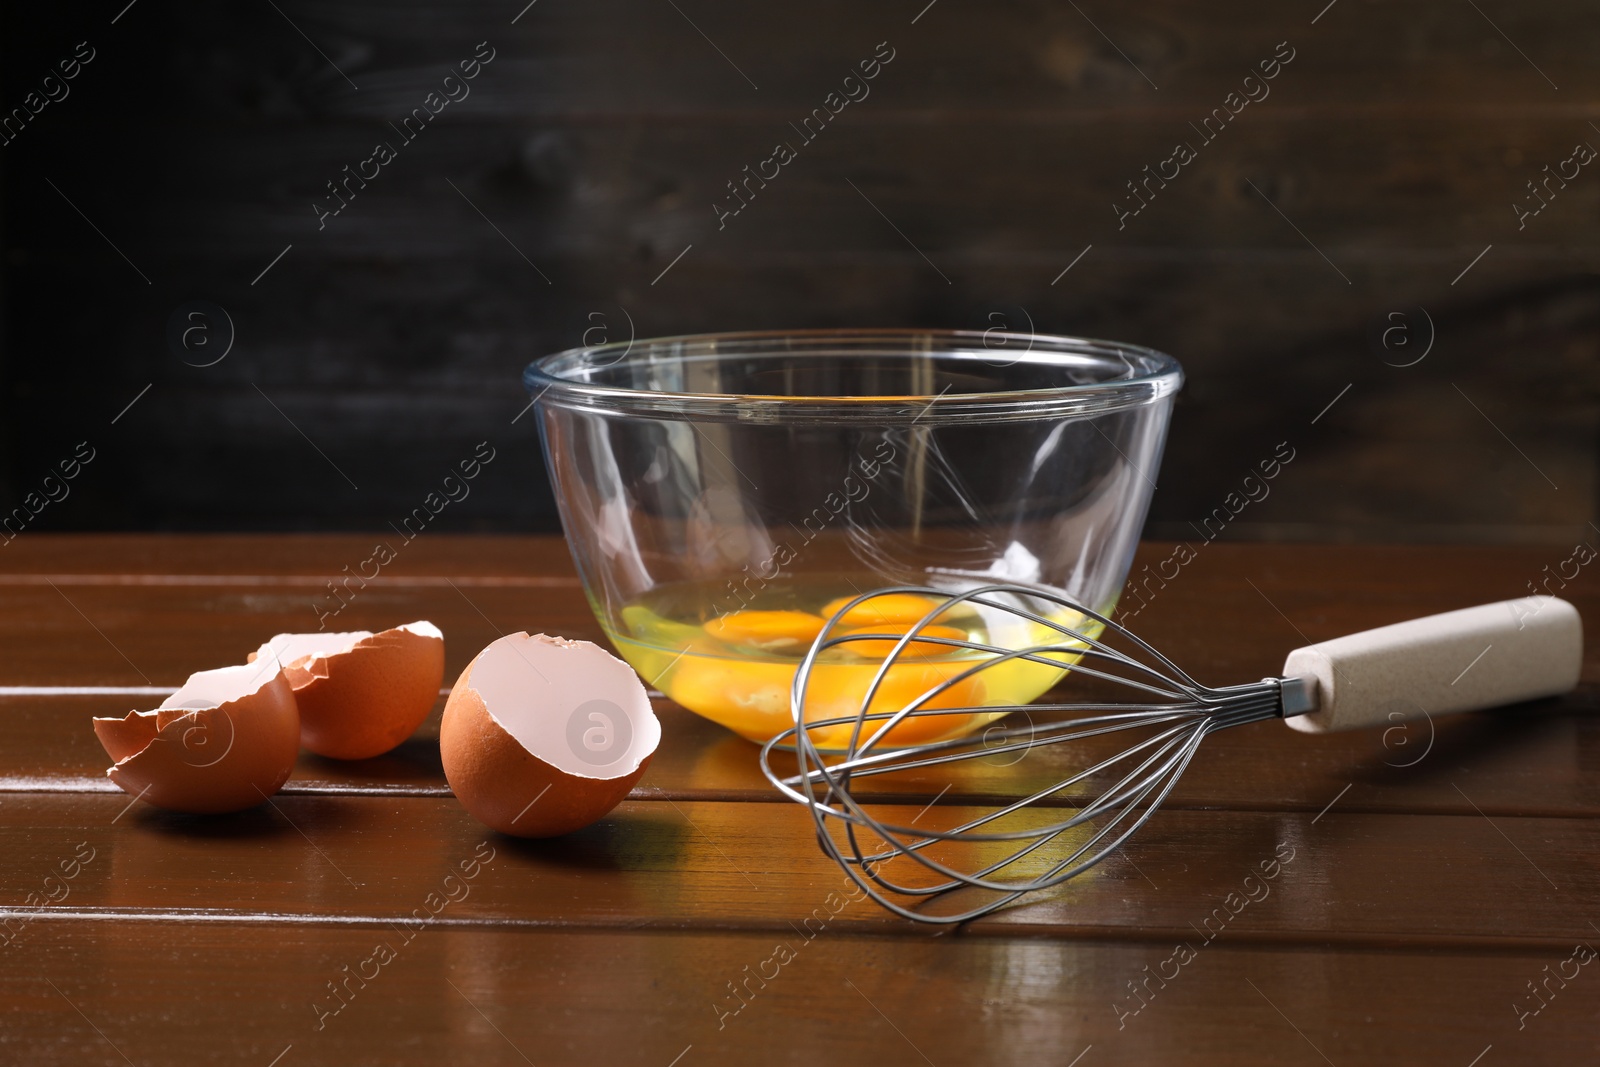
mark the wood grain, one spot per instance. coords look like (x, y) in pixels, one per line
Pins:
(1401, 769)
(171, 624)
(1385, 935)
(670, 865)
(614, 59)
(1395, 144)
(285, 560)
(1429, 465)
(160, 634)
(1300, 594)
(1442, 179)
(461, 995)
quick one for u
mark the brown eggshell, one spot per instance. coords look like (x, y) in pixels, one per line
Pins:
(208, 759)
(124, 737)
(362, 694)
(516, 791)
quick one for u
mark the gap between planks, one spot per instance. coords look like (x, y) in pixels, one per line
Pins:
(309, 581)
(17, 786)
(879, 927)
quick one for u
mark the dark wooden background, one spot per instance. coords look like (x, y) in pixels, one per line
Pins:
(592, 148)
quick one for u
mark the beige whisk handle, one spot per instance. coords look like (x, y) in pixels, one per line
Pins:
(1466, 660)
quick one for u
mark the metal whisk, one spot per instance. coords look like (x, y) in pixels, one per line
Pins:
(1459, 661)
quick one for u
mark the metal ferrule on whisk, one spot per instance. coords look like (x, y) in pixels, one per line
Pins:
(1270, 698)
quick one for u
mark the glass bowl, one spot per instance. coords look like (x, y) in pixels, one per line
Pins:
(723, 493)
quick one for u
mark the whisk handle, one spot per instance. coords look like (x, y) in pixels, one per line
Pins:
(1465, 660)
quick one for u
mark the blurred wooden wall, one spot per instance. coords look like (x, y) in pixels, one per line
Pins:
(987, 157)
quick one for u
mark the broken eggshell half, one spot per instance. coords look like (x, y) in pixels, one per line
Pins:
(224, 742)
(542, 736)
(360, 693)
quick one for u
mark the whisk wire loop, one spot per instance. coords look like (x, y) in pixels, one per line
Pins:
(1090, 646)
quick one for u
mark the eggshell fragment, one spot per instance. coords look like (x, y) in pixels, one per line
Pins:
(361, 694)
(224, 742)
(542, 736)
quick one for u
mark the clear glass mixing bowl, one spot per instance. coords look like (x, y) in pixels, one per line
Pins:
(723, 493)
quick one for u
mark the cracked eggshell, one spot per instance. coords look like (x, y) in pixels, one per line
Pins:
(360, 693)
(224, 742)
(542, 736)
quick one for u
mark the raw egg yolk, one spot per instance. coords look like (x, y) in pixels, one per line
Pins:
(837, 690)
(904, 608)
(886, 637)
(752, 697)
(768, 630)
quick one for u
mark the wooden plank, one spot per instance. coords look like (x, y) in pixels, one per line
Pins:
(1397, 142)
(160, 634)
(286, 560)
(1412, 435)
(457, 995)
(51, 746)
(1302, 333)
(612, 58)
(1526, 761)
(1301, 595)
(1351, 184)
(1344, 878)
(1529, 761)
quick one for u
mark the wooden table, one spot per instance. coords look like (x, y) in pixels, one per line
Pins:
(1426, 877)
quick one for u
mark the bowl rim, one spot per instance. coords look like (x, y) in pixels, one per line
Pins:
(1160, 376)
